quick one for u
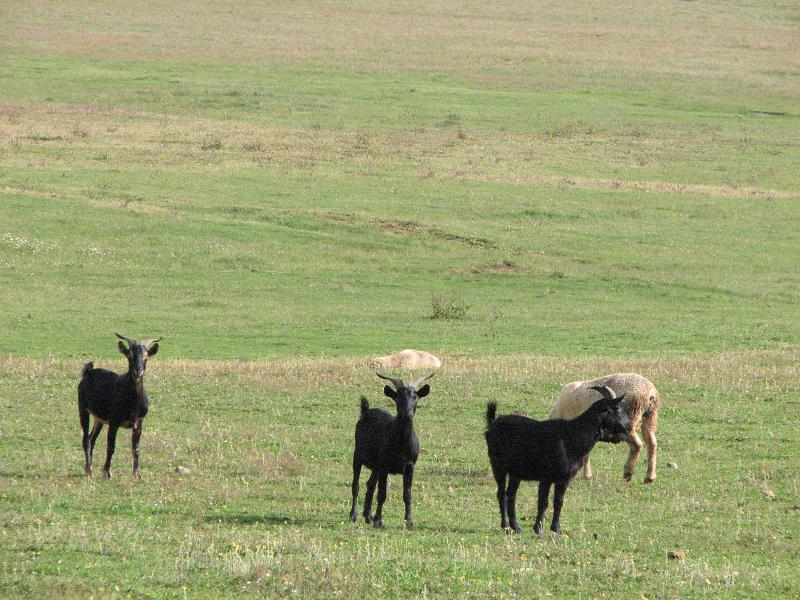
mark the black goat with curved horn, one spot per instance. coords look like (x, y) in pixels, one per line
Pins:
(115, 400)
(387, 444)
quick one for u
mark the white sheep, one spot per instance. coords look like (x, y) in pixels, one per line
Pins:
(408, 360)
(641, 403)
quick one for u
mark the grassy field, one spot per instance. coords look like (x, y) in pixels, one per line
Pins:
(283, 190)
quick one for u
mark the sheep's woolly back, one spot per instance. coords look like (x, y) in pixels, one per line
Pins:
(641, 395)
(408, 360)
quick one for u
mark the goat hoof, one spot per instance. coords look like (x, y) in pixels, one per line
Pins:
(649, 479)
(537, 529)
(368, 519)
(353, 517)
(409, 524)
(106, 474)
(627, 476)
(88, 471)
(378, 524)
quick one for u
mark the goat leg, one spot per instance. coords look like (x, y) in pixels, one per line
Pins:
(382, 484)
(371, 482)
(97, 427)
(83, 415)
(111, 441)
(511, 501)
(408, 477)
(544, 492)
(558, 501)
(354, 488)
(135, 437)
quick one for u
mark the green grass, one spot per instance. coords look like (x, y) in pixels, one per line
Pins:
(263, 511)
(579, 189)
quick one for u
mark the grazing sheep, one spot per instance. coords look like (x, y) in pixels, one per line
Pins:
(116, 400)
(387, 444)
(549, 452)
(406, 360)
(641, 404)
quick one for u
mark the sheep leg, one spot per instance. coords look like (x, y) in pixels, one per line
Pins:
(382, 483)
(635, 444)
(97, 427)
(544, 492)
(511, 495)
(408, 477)
(354, 488)
(501, 499)
(587, 468)
(649, 432)
(558, 502)
(111, 442)
(135, 437)
(371, 482)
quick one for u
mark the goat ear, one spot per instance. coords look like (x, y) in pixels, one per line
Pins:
(123, 349)
(388, 391)
(423, 391)
(151, 351)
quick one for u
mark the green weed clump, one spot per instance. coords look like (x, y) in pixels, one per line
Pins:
(450, 309)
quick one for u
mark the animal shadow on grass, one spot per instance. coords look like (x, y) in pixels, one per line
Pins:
(262, 519)
(252, 519)
(446, 528)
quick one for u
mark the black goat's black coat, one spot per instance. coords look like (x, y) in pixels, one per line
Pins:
(384, 442)
(111, 397)
(550, 452)
(539, 450)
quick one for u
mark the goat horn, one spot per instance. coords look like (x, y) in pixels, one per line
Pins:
(417, 380)
(398, 383)
(148, 343)
(605, 391)
(131, 341)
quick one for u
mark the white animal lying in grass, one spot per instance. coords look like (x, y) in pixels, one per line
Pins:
(406, 360)
(641, 403)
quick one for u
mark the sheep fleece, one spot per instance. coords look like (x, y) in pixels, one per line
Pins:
(407, 359)
(641, 396)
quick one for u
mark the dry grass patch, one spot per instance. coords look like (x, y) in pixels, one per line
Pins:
(775, 371)
(502, 42)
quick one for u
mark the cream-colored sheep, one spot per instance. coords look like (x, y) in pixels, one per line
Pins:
(641, 402)
(408, 360)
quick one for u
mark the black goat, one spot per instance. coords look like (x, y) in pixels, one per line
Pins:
(387, 444)
(116, 400)
(550, 452)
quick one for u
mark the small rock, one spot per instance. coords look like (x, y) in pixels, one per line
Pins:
(672, 465)
(180, 470)
(769, 493)
(676, 555)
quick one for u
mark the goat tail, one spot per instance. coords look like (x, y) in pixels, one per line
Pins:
(491, 411)
(86, 368)
(364, 405)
